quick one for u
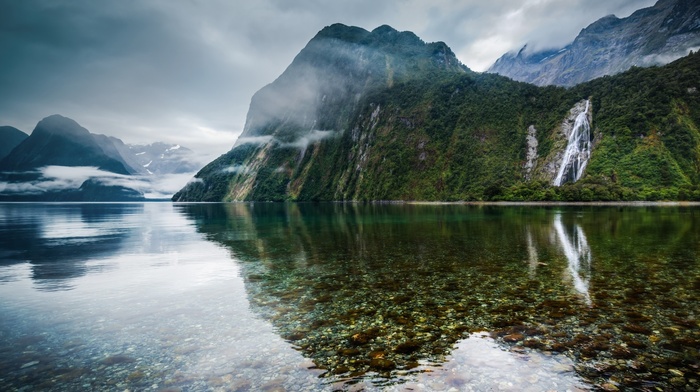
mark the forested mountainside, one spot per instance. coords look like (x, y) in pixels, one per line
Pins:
(650, 36)
(382, 115)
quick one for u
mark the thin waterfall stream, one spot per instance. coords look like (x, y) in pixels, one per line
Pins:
(578, 150)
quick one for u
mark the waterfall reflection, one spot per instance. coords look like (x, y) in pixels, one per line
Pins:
(578, 256)
(533, 259)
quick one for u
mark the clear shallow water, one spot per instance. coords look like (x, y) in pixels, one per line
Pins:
(336, 296)
(128, 296)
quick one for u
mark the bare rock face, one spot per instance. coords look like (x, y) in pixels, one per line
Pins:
(531, 156)
(651, 36)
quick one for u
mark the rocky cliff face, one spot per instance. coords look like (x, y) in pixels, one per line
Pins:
(551, 165)
(651, 36)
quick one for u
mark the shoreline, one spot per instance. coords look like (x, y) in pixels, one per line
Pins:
(565, 203)
(405, 202)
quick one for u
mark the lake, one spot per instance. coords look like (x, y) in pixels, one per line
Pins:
(337, 296)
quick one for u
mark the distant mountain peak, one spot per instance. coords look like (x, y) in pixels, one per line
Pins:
(602, 25)
(162, 158)
(650, 36)
(381, 36)
(384, 29)
(342, 32)
(57, 124)
(59, 140)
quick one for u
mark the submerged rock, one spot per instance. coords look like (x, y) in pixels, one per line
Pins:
(382, 364)
(117, 359)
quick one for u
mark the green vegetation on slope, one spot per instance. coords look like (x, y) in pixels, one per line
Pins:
(649, 120)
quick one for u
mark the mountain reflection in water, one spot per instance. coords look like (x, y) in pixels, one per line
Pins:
(58, 239)
(383, 292)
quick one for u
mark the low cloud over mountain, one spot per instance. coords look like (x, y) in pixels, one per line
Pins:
(61, 160)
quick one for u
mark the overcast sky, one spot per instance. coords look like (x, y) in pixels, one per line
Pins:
(184, 71)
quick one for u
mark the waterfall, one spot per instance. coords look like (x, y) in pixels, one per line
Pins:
(577, 152)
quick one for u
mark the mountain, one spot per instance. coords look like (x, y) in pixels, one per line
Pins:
(382, 115)
(316, 99)
(55, 163)
(650, 36)
(10, 137)
(58, 140)
(62, 161)
(117, 150)
(162, 158)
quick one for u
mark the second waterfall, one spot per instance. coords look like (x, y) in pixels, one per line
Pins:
(578, 150)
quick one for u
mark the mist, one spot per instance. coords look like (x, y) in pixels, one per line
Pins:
(293, 111)
(255, 140)
(238, 169)
(62, 178)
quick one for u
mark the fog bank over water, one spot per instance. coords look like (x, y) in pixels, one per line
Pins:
(61, 178)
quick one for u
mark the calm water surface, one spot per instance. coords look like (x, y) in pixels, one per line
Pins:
(197, 297)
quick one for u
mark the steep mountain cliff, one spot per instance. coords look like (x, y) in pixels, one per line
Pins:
(650, 36)
(384, 116)
(317, 98)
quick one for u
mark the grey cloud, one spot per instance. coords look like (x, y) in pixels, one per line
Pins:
(664, 59)
(257, 140)
(301, 142)
(119, 68)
